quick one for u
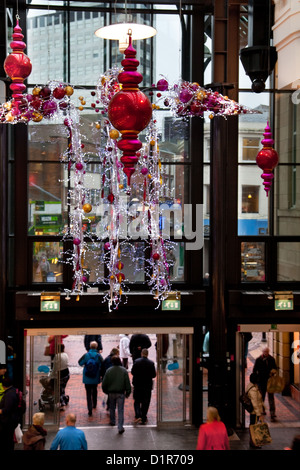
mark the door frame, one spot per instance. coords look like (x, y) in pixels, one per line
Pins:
(188, 333)
(239, 351)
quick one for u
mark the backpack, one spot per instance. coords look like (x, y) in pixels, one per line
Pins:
(246, 402)
(91, 367)
(21, 403)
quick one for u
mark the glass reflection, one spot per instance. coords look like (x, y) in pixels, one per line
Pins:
(252, 262)
(47, 265)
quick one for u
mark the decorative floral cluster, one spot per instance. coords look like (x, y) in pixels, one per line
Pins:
(47, 101)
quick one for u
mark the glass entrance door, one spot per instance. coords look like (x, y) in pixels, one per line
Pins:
(174, 378)
(42, 381)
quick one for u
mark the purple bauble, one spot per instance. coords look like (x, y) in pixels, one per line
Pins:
(185, 95)
(144, 171)
(49, 108)
(162, 85)
(106, 246)
(76, 241)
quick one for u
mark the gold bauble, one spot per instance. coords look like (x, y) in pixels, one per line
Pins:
(114, 134)
(69, 90)
(37, 117)
(36, 91)
(87, 207)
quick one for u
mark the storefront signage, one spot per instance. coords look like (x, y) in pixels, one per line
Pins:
(50, 302)
(284, 300)
(172, 302)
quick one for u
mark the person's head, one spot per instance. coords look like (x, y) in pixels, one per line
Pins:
(253, 378)
(296, 443)
(38, 419)
(61, 348)
(93, 345)
(3, 369)
(6, 382)
(265, 352)
(71, 419)
(114, 352)
(212, 414)
(144, 352)
(116, 361)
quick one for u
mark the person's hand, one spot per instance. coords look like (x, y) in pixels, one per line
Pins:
(261, 418)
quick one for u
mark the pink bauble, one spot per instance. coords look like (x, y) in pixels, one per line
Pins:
(76, 241)
(162, 85)
(49, 108)
(107, 246)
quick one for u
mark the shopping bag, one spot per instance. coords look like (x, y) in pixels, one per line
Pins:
(275, 384)
(18, 434)
(260, 434)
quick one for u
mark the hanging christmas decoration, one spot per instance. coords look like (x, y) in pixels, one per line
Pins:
(18, 67)
(130, 180)
(129, 110)
(267, 159)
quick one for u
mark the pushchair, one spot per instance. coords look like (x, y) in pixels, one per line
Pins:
(47, 393)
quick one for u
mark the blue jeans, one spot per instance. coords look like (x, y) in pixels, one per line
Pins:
(117, 399)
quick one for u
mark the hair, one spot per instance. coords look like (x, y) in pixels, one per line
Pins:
(145, 352)
(296, 443)
(253, 378)
(116, 361)
(71, 418)
(93, 345)
(212, 414)
(114, 352)
(6, 382)
(38, 419)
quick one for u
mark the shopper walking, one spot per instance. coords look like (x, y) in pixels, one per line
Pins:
(137, 343)
(89, 338)
(70, 437)
(253, 392)
(91, 377)
(124, 350)
(35, 437)
(143, 372)
(9, 415)
(264, 366)
(117, 386)
(213, 434)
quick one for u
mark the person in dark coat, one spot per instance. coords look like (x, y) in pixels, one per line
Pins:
(9, 415)
(35, 437)
(91, 379)
(143, 372)
(89, 338)
(137, 343)
(263, 367)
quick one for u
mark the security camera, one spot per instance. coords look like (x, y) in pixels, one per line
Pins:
(258, 62)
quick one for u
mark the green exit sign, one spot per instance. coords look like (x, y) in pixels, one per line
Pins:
(284, 304)
(50, 302)
(171, 304)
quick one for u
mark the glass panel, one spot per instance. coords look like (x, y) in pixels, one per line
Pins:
(133, 258)
(253, 125)
(45, 45)
(93, 264)
(46, 142)
(173, 377)
(42, 392)
(175, 259)
(288, 261)
(47, 262)
(287, 130)
(287, 200)
(174, 137)
(252, 262)
(47, 213)
(167, 48)
(253, 204)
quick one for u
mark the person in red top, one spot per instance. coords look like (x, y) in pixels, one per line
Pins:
(213, 434)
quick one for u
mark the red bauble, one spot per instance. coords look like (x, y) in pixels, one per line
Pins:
(156, 256)
(267, 158)
(129, 111)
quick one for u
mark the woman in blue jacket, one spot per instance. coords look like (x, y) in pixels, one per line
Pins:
(91, 362)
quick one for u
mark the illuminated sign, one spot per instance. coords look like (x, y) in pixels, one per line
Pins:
(50, 302)
(172, 302)
(284, 300)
